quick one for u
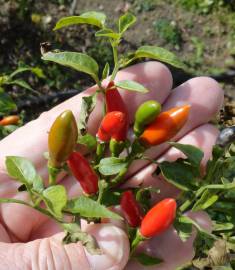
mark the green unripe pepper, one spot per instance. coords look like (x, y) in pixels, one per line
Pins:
(146, 114)
(62, 138)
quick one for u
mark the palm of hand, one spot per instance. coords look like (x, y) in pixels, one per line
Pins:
(21, 228)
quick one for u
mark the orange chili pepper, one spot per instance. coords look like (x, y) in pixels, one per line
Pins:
(10, 120)
(165, 126)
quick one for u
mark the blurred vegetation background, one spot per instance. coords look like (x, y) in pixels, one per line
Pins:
(200, 32)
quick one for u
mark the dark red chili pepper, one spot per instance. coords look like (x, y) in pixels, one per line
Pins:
(110, 126)
(158, 218)
(131, 209)
(114, 102)
(83, 172)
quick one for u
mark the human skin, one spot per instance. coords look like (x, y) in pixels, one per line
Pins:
(29, 240)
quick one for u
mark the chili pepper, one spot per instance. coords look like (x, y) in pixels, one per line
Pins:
(158, 218)
(114, 102)
(9, 120)
(110, 126)
(165, 126)
(131, 209)
(62, 138)
(145, 114)
(83, 172)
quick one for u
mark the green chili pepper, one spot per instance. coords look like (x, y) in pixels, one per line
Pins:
(146, 114)
(62, 138)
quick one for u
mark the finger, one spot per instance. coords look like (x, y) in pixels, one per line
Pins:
(170, 248)
(30, 141)
(205, 97)
(50, 253)
(203, 137)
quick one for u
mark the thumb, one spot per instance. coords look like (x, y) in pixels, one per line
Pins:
(50, 253)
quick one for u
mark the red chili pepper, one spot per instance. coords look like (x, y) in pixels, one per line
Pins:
(131, 209)
(110, 126)
(114, 102)
(165, 126)
(10, 120)
(83, 172)
(158, 218)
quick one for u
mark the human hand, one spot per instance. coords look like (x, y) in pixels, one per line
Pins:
(30, 240)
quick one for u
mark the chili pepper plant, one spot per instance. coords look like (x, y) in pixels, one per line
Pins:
(101, 169)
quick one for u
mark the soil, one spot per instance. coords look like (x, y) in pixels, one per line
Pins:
(203, 40)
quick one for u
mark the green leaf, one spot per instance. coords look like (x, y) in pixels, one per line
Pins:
(74, 234)
(206, 200)
(55, 198)
(183, 227)
(89, 208)
(106, 71)
(111, 165)
(147, 260)
(78, 61)
(109, 33)
(88, 105)
(193, 153)
(125, 21)
(131, 86)
(36, 70)
(223, 227)
(160, 54)
(20, 169)
(92, 18)
(179, 173)
(38, 184)
(6, 103)
(88, 140)
(22, 84)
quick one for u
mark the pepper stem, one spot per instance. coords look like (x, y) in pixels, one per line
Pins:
(138, 239)
(53, 172)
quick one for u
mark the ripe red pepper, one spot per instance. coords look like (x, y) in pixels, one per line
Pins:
(83, 172)
(110, 126)
(114, 102)
(158, 218)
(165, 126)
(131, 209)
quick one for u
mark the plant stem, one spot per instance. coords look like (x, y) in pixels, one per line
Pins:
(115, 58)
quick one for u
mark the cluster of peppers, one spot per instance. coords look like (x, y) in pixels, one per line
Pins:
(151, 127)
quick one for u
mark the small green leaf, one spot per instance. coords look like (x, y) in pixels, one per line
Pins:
(160, 54)
(78, 61)
(38, 183)
(147, 260)
(22, 84)
(223, 227)
(88, 140)
(6, 103)
(92, 18)
(125, 21)
(74, 234)
(131, 86)
(88, 105)
(89, 208)
(206, 200)
(36, 70)
(106, 71)
(183, 227)
(179, 173)
(111, 165)
(55, 198)
(20, 169)
(109, 33)
(193, 153)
